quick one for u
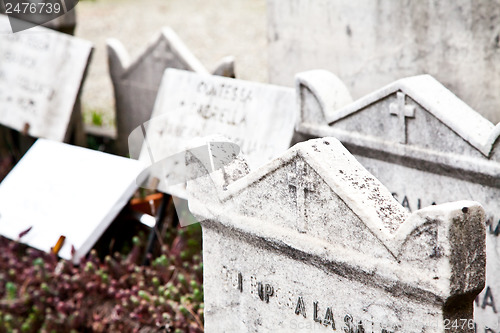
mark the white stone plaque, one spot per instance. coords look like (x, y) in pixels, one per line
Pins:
(136, 81)
(257, 117)
(41, 72)
(62, 190)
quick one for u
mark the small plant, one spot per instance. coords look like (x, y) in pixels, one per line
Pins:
(40, 293)
(97, 118)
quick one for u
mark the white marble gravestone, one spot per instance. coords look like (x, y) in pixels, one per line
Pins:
(41, 73)
(61, 190)
(424, 144)
(313, 242)
(257, 117)
(59, 16)
(136, 82)
(369, 44)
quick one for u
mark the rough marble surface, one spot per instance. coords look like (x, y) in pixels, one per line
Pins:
(312, 241)
(423, 143)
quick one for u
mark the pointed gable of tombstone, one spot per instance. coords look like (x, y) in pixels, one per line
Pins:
(314, 229)
(415, 113)
(136, 82)
(424, 144)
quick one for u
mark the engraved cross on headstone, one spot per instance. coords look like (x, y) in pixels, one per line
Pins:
(302, 183)
(402, 111)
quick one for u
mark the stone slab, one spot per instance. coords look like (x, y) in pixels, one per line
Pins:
(369, 44)
(313, 242)
(61, 190)
(136, 81)
(422, 142)
(41, 73)
(257, 117)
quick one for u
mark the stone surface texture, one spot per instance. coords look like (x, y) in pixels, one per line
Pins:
(369, 44)
(423, 143)
(255, 116)
(73, 192)
(41, 73)
(136, 82)
(313, 242)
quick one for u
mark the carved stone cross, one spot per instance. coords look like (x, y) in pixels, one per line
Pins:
(402, 111)
(302, 183)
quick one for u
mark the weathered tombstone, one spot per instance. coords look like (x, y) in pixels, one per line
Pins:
(424, 144)
(136, 82)
(313, 242)
(58, 191)
(41, 74)
(257, 117)
(369, 44)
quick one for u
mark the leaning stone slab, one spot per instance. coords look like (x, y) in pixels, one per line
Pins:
(313, 242)
(257, 117)
(41, 74)
(63, 193)
(423, 143)
(136, 82)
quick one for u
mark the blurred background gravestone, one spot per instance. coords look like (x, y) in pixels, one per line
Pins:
(41, 75)
(371, 43)
(259, 118)
(136, 82)
(239, 31)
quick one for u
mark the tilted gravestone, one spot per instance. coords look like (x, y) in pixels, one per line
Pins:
(136, 82)
(63, 192)
(41, 74)
(313, 242)
(424, 144)
(369, 44)
(257, 117)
